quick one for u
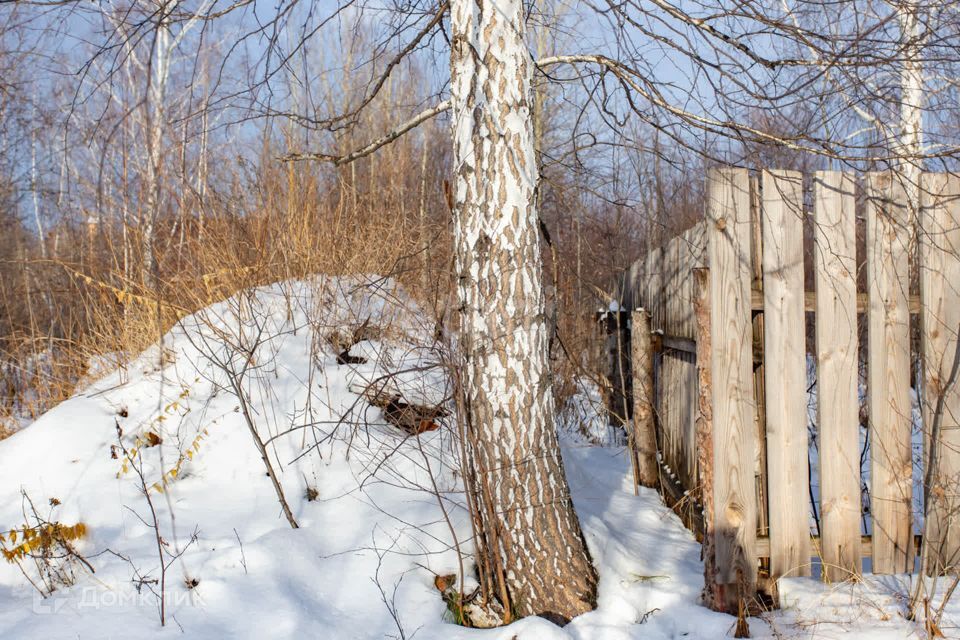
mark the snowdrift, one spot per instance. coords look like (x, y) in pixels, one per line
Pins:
(163, 453)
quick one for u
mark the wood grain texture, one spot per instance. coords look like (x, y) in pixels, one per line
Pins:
(786, 377)
(704, 430)
(735, 509)
(655, 288)
(670, 300)
(837, 407)
(682, 309)
(671, 367)
(698, 260)
(940, 324)
(888, 373)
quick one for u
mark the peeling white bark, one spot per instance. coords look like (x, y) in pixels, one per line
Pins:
(910, 144)
(514, 448)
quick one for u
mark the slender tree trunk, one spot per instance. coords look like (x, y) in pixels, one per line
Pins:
(422, 221)
(910, 143)
(523, 499)
(156, 127)
(35, 190)
(202, 170)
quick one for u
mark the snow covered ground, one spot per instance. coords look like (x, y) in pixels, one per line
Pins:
(379, 512)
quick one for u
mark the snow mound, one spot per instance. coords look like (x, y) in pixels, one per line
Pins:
(360, 489)
(379, 512)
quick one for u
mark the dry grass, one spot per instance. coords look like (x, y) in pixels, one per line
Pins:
(83, 306)
(86, 304)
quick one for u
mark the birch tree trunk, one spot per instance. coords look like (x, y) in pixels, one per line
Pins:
(156, 134)
(531, 530)
(909, 146)
(35, 188)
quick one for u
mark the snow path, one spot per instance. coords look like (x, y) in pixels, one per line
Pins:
(650, 569)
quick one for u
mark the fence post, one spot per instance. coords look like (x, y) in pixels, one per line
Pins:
(786, 382)
(940, 317)
(644, 437)
(888, 373)
(704, 430)
(617, 335)
(735, 508)
(837, 364)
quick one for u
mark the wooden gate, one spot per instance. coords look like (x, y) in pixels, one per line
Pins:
(786, 268)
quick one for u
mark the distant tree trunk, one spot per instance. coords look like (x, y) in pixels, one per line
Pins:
(156, 129)
(35, 188)
(531, 530)
(909, 146)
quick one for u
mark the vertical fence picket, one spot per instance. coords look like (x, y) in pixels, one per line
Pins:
(888, 373)
(940, 318)
(654, 287)
(735, 510)
(786, 380)
(675, 373)
(696, 400)
(836, 339)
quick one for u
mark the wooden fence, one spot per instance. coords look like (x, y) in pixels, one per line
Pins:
(722, 324)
